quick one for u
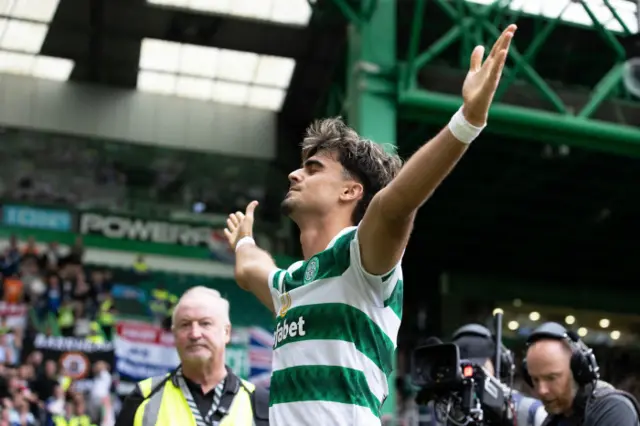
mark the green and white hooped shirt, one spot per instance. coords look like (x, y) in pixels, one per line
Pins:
(335, 338)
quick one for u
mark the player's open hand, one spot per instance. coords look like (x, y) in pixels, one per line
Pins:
(240, 225)
(483, 78)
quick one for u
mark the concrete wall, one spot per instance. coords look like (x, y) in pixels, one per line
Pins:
(131, 116)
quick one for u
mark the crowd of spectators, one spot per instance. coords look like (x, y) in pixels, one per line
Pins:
(64, 170)
(46, 290)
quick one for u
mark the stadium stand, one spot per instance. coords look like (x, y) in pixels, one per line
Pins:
(56, 169)
(43, 291)
(50, 293)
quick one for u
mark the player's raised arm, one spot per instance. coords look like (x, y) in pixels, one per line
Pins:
(385, 228)
(254, 266)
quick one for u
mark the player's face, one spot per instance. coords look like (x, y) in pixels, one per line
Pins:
(319, 187)
(199, 332)
(548, 363)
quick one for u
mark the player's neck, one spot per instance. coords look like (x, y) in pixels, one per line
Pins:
(207, 377)
(316, 236)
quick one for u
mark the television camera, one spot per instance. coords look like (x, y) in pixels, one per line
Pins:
(462, 392)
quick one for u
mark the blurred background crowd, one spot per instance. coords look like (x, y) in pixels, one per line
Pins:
(130, 130)
(49, 291)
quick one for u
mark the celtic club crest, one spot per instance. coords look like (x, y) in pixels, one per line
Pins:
(312, 270)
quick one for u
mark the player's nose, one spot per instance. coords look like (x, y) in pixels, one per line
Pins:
(295, 176)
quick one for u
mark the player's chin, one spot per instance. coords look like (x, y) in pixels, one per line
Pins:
(287, 207)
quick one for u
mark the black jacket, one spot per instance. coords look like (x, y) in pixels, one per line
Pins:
(606, 406)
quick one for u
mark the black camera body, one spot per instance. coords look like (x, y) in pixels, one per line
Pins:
(464, 391)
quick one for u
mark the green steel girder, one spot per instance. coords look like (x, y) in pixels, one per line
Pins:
(473, 25)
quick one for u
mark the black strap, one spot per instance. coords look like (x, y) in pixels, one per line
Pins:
(229, 392)
(200, 418)
(223, 407)
(259, 405)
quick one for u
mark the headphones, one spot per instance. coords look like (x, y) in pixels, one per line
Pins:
(507, 364)
(584, 366)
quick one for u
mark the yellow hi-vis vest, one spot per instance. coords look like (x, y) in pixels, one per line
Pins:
(80, 421)
(168, 407)
(65, 317)
(59, 421)
(105, 317)
(73, 421)
(65, 382)
(159, 302)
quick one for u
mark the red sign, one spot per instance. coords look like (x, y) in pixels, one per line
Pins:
(140, 332)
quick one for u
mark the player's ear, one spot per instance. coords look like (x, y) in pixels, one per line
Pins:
(352, 191)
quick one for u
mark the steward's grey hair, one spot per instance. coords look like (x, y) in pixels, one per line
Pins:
(220, 305)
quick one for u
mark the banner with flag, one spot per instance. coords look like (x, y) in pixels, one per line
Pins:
(249, 354)
(219, 249)
(260, 355)
(144, 350)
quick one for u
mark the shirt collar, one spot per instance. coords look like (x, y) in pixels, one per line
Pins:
(340, 234)
(231, 383)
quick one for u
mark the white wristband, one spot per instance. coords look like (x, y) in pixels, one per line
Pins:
(244, 241)
(464, 131)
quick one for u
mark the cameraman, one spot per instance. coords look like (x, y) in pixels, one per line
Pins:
(477, 344)
(564, 373)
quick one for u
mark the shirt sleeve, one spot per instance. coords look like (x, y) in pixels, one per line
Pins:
(615, 410)
(277, 287)
(387, 287)
(282, 281)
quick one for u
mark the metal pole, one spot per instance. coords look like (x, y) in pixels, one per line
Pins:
(497, 364)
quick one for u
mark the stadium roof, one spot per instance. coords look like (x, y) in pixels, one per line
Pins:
(573, 12)
(240, 52)
(23, 28)
(294, 12)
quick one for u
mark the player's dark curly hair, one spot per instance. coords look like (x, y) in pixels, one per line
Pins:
(363, 159)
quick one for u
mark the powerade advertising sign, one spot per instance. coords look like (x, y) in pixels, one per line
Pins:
(36, 218)
(127, 228)
(153, 231)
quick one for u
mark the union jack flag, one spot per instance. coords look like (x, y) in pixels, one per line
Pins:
(260, 354)
(219, 249)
